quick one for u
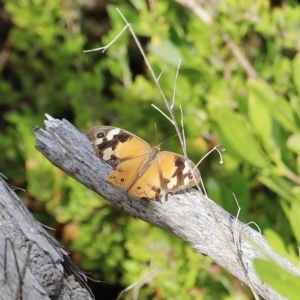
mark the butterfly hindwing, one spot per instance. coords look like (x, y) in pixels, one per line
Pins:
(126, 173)
(175, 172)
(168, 172)
(148, 185)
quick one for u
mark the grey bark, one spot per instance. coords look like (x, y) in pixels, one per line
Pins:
(32, 263)
(185, 214)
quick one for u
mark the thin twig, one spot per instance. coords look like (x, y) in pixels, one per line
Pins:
(158, 78)
(233, 249)
(169, 107)
(155, 79)
(195, 6)
(107, 46)
(252, 222)
(22, 274)
(182, 128)
(173, 121)
(175, 81)
(140, 282)
(240, 57)
(158, 109)
(3, 176)
(237, 217)
(217, 148)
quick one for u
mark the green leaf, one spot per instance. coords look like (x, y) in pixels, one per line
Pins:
(278, 184)
(296, 72)
(237, 139)
(259, 113)
(293, 214)
(167, 51)
(278, 107)
(278, 278)
(275, 241)
(293, 143)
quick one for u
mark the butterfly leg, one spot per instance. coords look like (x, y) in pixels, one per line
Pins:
(158, 195)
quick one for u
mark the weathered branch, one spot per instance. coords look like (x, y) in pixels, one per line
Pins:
(32, 263)
(186, 215)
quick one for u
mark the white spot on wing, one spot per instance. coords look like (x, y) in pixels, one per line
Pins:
(112, 133)
(107, 153)
(172, 183)
(99, 141)
(186, 168)
(186, 180)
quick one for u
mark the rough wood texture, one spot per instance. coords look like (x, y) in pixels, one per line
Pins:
(186, 214)
(25, 245)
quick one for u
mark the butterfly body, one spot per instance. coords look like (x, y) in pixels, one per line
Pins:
(143, 171)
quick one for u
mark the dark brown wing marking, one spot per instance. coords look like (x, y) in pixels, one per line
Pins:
(102, 141)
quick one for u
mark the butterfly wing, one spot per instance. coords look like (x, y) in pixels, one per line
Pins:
(121, 149)
(115, 145)
(175, 172)
(168, 173)
(148, 185)
(126, 172)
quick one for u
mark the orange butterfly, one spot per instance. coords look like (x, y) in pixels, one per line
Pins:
(143, 171)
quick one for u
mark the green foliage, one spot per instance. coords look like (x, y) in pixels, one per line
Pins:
(278, 278)
(256, 119)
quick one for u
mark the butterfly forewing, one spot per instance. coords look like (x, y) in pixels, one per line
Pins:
(114, 145)
(133, 147)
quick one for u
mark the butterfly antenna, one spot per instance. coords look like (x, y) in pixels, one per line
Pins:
(169, 138)
(182, 128)
(165, 140)
(156, 133)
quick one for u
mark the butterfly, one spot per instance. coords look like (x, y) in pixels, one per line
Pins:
(144, 172)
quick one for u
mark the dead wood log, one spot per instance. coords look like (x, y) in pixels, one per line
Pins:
(32, 263)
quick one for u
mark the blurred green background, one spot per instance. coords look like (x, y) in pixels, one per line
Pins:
(239, 86)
